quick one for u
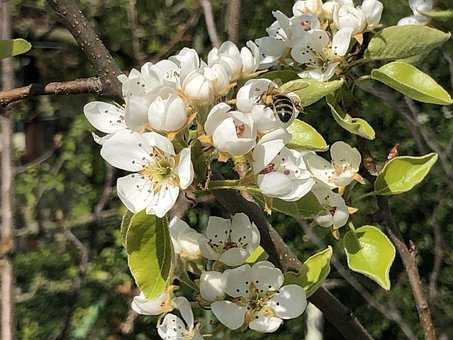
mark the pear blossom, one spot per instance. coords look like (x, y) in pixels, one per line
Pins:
(229, 54)
(232, 132)
(335, 213)
(343, 168)
(105, 117)
(184, 239)
(372, 9)
(168, 112)
(175, 328)
(255, 97)
(159, 174)
(230, 241)
(251, 59)
(212, 286)
(281, 172)
(351, 17)
(258, 298)
(418, 7)
(157, 306)
(302, 7)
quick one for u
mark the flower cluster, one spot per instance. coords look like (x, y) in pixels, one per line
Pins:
(317, 38)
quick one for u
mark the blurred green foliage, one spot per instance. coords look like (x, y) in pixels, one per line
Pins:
(72, 276)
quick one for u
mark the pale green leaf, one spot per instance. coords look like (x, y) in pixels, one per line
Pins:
(370, 252)
(313, 273)
(440, 15)
(149, 253)
(308, 206)
(280, 76)
(11, 48)
(412, 82)
(258, 255)
(125, 223)
(399, 42)
(357, 126)
(401, 174)
(305, 137)
(310, 90)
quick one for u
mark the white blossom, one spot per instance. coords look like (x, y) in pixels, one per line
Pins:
(351, 17)
(230, 241)
(232, 132)
(418, 7)
(259, 300)
(372, 9)
(212, 286)
(168, 112)
(343, 168)
(251, 59)
(302, 7)
(105, 117)
(335, 213)
(281, 172)
(159, 172)
(185, 239)
(157, 306)
(175, 328)
(229, 54)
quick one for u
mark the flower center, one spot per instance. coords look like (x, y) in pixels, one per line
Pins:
(160, 170)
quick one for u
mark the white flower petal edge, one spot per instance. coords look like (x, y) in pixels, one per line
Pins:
(161, 304)
(185, 239)
(211, 285)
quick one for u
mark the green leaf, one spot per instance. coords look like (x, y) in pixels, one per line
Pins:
(125, 223)
(370, 252)
(399, 42)
(305, 137)
(313, 273)
(149, 253)
(310, 90)
(440, 15)
(258, 255)
(412, 82)
(357, 126)
(401, 174)
(11, 48)
(282, 76)
(308, 206)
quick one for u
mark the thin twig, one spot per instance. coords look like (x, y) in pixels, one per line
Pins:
(84, 85)
(106, 191)
(210, 23)
(133, 20)
(234, 20)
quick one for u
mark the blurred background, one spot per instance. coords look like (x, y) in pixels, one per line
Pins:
(72, 280)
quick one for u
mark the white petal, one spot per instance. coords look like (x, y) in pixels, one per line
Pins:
(420, 6)
(343, 154)
(229, 314)
(237, 281)
(185, 169)
(211, 286)
(266, 278)
(167, 113)
(414, 20)
(105, 117)
(341, 41)
(265, 153)
(137, 112)
(141, 305)
(265, 324)
(234, 257)
(126, 150)
(249, 94)
(218, 228)
(134, 191)
(373, 11)
(177, 227)
(226, 140)
(171, 328)
(300, 189)
(275, 184)
(165, 200)
(184, 307)
(206, 250)
(215, 117)
(271, 46)
(290, 302)
(156, 140)
(320, 168)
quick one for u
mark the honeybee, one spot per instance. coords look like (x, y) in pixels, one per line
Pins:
(285, 106)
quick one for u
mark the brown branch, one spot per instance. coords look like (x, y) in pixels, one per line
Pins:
(234, 20)
(82, 31)
(84, 85)
(334, 311)
(133, 21)
(210, 23)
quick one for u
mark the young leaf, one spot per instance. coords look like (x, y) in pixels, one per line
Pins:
(401, 174)
(304, 136)
(259, 254)
(399, 42)
(307, 207)
(357, 126)
(125, 223)
(11, 48)
(412, 82)
(440, 15)
(313, 273)
(282, 76)
(310, 90)
(149, 253)
(370, 252)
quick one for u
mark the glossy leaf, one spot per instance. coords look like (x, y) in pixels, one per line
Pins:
(280, 76)
(258, 254)
(370, 252)
(305, 137)
(13, 47)
(401, 174)
(313, 273)
(399, 42)
(149, 253)
(310, 90)
(357, 126)
(412, 82)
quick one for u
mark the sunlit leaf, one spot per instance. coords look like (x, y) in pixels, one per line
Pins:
(357, 126)
(305, 137)
(258, 255)
(313, 273)
(440, 15)
(370, 252)
(149, 253)
(13, 47)
(125, 223)
(310, 90)
(412, 82)
(281, 76)
(401, 174)
(399, 42)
